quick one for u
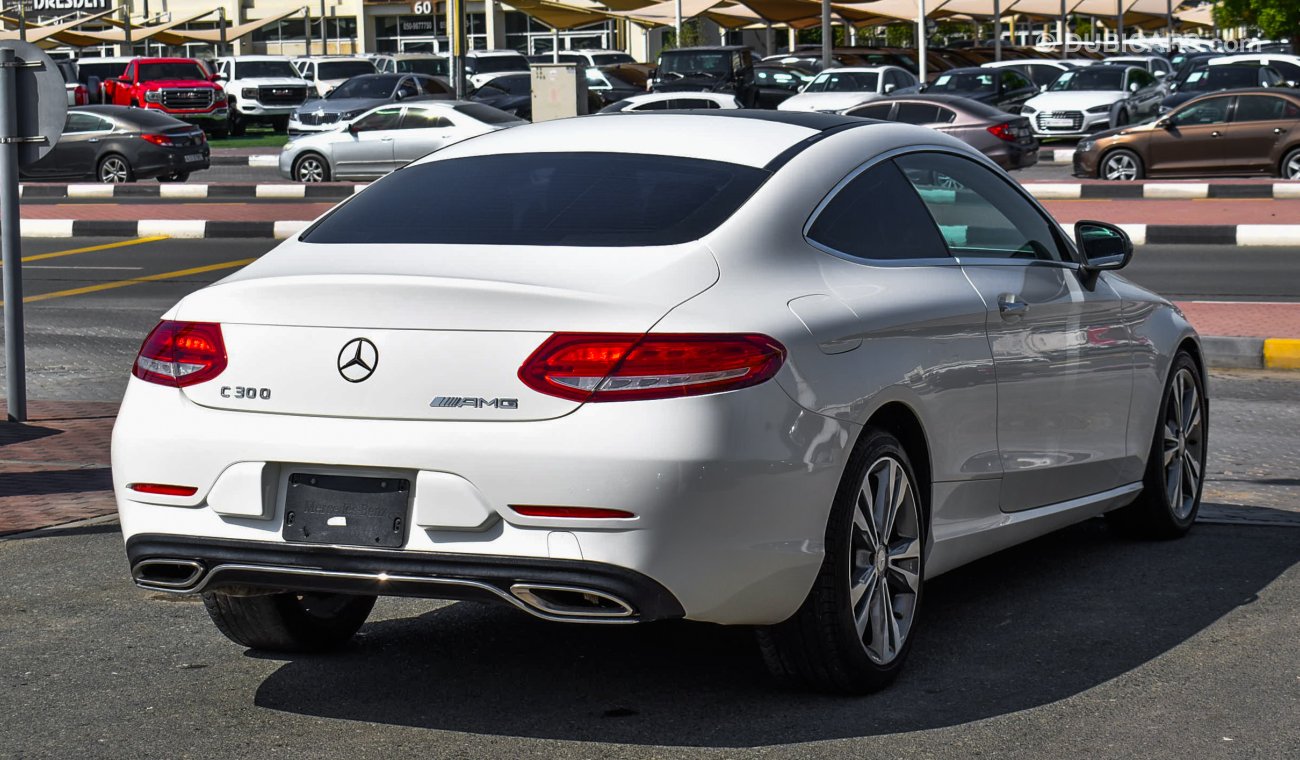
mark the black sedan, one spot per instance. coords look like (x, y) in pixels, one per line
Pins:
(512, 93)
(120, 144)
(1006, 89)
(1228, 76)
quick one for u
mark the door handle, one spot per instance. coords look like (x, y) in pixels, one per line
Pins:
(93, 139)
(1279, 131)
(1216, 134)
(1011, 307)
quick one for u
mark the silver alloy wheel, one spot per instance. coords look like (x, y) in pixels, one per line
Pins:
(885, 559)
(1120, 166)
(1184, 444)
(114, 170)
(1292, 168)
(311, 169)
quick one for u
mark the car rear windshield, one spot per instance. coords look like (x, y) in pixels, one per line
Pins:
(88, 68)
(157, 72)
(491, 64)
(966, 81)
(488, 114)
(434, 67)
(374, 86)
(575, 199)
(265, 69)
(609, 59)
(1107, 78)
(695, 63)
(843, 81)
(343, 69)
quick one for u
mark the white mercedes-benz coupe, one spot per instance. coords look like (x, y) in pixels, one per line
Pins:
(757, 368)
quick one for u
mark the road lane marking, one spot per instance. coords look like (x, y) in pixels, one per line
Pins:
(137, 281)
(55, 266)
(91, 248)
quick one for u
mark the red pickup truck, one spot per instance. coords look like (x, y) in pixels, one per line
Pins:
(179, 87)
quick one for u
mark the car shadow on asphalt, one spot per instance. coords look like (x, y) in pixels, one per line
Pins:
(1027, 627)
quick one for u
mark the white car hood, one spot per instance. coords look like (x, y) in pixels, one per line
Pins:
(1080, 100)
(826, 101)
(271, 82)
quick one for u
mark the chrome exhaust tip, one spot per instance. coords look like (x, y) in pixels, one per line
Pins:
(571, 602)
(167, 574)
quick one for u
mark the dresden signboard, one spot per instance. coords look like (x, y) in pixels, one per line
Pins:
(63, 6)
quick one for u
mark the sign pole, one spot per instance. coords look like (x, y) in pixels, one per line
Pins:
(11, 240)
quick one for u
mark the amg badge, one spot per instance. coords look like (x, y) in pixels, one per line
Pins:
(477, 403)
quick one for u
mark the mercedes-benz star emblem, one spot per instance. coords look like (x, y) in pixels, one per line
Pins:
(358, 359)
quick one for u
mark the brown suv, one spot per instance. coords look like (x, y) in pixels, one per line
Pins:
(1255, 131)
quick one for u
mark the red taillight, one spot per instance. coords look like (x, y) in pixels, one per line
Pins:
(80, 96)
(162, 140)
(162, 489)
(181, 353)
(626, 367)
(590, 513)
(1003, 131)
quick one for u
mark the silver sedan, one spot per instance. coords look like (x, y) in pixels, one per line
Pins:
(384, 138)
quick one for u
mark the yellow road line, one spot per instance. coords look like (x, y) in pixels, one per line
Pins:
(88, 249)
(137, 280)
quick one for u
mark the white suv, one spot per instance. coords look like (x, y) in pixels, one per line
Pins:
(412, 63)
(261, 88)
(482, 65)
(329, 72)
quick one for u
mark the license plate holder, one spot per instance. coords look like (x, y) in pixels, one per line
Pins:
(1058, 122)
(193, 158)
(346, 509)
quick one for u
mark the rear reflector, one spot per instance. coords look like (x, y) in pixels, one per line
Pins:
(590, 513)
(181, 353)
(626, 366)
(162, 489)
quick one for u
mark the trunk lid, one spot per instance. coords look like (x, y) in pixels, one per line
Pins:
(424, 332)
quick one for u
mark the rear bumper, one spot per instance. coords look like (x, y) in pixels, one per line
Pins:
(159, 561)
(730, 492)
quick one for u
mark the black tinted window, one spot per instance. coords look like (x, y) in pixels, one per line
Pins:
(1264, 108)
(877, 216)
(580, 199)
(874, 111)
(917, 113)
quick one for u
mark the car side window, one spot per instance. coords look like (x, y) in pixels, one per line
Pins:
(979, 214)
(1013, 80)
(384, 118)
(1288, 70)
(655, 105)
(423, 118)
(917, 113)
(1264, 108)
(945, 115)
(876, 217)
(431, 86)
(84, 122)
(874, 111)
(1139, 79)
(407, 88)
(1212, 111)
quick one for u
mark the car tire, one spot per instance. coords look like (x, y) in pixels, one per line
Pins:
(280, 124)
(1121, 165)
(114, 169)
(175, 177)
(289, 622)
(1290, 168)
(1175, 474)
(238, 126)
(839, 640)
(311, 167)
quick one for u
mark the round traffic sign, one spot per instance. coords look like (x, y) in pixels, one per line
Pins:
(42, 101)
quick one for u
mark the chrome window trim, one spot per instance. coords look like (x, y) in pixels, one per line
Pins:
(951, 260)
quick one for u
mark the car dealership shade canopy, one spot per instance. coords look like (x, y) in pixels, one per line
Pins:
(66, 32)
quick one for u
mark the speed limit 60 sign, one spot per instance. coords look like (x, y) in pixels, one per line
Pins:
(424, 7)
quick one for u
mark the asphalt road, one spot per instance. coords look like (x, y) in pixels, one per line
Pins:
(1080, 644)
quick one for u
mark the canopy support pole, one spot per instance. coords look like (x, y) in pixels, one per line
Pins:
(769, 40)
(920, 40)
(1061, 30)
(1169, 27)
(1119, 25)
(677, 25)
(555, 44)
(828, 34)
(997, 30)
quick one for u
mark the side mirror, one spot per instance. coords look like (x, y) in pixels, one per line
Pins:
(1105, 247)
(125, 80)
(1165, 123)
(889, 88)
(353, 129)
(218, 77)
